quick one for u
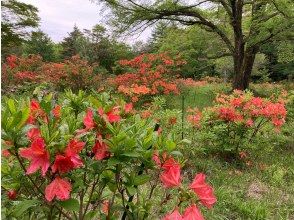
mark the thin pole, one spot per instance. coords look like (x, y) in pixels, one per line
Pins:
(183, 108)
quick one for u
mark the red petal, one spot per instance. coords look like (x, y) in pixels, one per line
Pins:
(59, 188)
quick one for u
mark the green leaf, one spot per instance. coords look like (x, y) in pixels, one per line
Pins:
(131, 154)
(17, 118)
(24, 117)
(11, 106)
(170, 145)
(21, 207)
(91, 215)
(131, 190)
(177, 153)
(142, 179)
(186, 141)
(70, 204)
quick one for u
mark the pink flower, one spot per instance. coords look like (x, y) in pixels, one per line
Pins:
(6, 153)
(33, 134)
(12, 194)
(192, 213)
(249, 122)
(156, 159)
(100, 150)
(38, 156)
(62, 164)
(74, 147)
(175, 215)
(203, 190)
(105, 207)
(128, 107)
(59, 188)
(71, 159)
(56, 111)
(89, 120)
(111, 116)
(171, 176)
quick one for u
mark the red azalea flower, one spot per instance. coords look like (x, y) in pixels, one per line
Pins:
(56, 111)
(192, 213)
(74, 147)
(71, 159)
(100, 150)
(12, 194)
(6, 153)
(169, 162)
(156, 159)
(105, 207)
(203, 190)
(171, 176)
(89, 120)
(36, 111)
(33, 134)
(59, 188)
(128, 107)
(11, 61)
(172, 120)
(111, 116)
(38, 156)
(62, 164)
(175, 215)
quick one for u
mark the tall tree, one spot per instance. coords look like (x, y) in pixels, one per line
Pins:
(40, 43)
(16, 19)
(70, 44)
(243, 25)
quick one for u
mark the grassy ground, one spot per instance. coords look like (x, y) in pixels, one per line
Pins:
(263, 190)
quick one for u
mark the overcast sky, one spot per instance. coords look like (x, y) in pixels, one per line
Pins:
(59, 16)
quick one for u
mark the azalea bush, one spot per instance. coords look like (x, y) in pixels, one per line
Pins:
(22, 73)
(80, 156)
(234, 122)
(74, 73)
(148, 75)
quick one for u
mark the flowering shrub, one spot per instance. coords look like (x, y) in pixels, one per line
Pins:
(74, 73)
(148, 74)
(89, 157)
(17, 71)
(236, 119)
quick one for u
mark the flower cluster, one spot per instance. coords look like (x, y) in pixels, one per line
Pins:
(68, 159)
(89, 150)
(194, 117)
(170, 177)
(148, 74)
(73, 73)
(19, 70)
(242, 107)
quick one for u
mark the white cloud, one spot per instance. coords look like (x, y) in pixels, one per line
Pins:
(59, 17)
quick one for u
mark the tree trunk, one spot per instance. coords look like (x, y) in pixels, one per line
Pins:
(243, 69)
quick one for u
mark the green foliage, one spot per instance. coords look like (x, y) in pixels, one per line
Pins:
(17, 17)
(40, 43)
(95, 46)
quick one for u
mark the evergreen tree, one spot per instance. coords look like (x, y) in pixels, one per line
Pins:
(70, 44)
(41, 44)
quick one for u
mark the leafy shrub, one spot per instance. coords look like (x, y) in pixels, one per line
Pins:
(148, 74)
(233, 123)
(89, 157)
(20, 71)
(30, 71)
